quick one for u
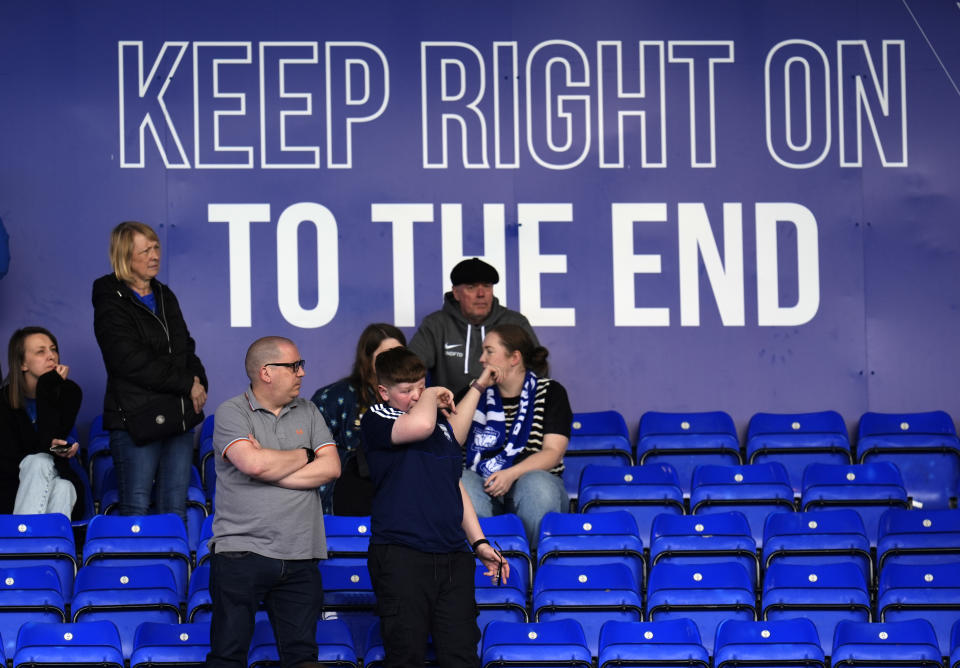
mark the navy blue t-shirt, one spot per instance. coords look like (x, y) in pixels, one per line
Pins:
(417, 500)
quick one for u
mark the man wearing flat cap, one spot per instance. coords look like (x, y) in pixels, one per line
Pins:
(449, 341)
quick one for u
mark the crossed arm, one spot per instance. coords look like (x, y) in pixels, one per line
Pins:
(285, 468)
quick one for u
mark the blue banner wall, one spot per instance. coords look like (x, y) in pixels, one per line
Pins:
(745, 206)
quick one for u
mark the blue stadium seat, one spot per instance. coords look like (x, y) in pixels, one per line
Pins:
(930, 591)
(756, 490)
(156, 645)
(203, 548)
(575, 539)
(507, 531)
(687, 440)
(817, 537)
(668, 644)
(146, 539)
(335, 645)
(556, 644)
(706, 593)
(591, 594)
(347, 539)
(870, 489)
(924, 446)
(593, 450)
(348, 592)
(126, 595)
(798, 439)
(790, 642)
(599, 423)
(40, 540)
(28, 594)
(41, 644)
(918, 537)
(199, 603)
(954, 659)
(826, 594)
(909, 644)
(698, 539)
(505, 602)
(643, 491)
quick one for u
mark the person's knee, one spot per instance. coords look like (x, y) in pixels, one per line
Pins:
(39, 465)
(540, 489)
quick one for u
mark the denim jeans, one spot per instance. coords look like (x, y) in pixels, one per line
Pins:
(167, 462)
(292, 592)
(532, 496)
(41, 489)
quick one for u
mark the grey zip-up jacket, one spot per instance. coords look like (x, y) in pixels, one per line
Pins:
(450, 346)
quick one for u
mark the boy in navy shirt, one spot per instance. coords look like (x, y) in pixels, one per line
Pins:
(419, 560)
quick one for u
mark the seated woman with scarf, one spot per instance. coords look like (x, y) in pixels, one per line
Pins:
(514, 451)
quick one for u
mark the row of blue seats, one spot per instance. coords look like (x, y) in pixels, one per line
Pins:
(667, 644)
(924, 445)
(756, 490)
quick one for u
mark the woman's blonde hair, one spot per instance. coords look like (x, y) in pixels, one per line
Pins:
(121, 246)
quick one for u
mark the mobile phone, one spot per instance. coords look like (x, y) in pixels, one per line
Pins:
(60, 448)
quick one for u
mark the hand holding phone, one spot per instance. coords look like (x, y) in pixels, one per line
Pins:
(60, 446)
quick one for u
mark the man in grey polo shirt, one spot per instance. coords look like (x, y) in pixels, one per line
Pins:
(273, 450)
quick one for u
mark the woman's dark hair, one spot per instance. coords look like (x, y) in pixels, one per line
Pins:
(516, 338)
(362, 376)
(16, 352)
(399, 365)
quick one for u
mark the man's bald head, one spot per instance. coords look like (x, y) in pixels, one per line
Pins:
(263, 351)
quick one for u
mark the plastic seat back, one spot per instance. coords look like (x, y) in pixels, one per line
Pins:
(334, 645)
(756, 490)
(698, 539)
(28, 594)
(665, 644)
(924, 446)
(954, 659)
(593, 450)
(40, 540)
(870, 489)
(91, 643)
(908, 644)
(687, 440)
(930, 591)
(507, 532)
(796, 440)
(599, 423)
(126, 595)
(347, 539)
(156, 644)
(544, 644)
(502, 601)
(348, 592)
(144, 539)
(792, 642)
(575, 539)
(918, 536)
(643, 491)
(706, 593)
(826, 594)
(817, 537)
(593, 594)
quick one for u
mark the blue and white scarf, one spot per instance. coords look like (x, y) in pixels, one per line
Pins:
(488, 434)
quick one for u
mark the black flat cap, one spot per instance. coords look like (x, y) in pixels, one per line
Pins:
(474, 270)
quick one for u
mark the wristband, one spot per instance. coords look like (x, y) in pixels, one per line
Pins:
(475, 385)
(478, 543)
(311, 455)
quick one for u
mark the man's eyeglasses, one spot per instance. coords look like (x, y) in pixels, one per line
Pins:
(293, 366)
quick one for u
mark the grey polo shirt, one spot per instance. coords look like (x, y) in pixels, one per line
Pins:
(255, 516)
